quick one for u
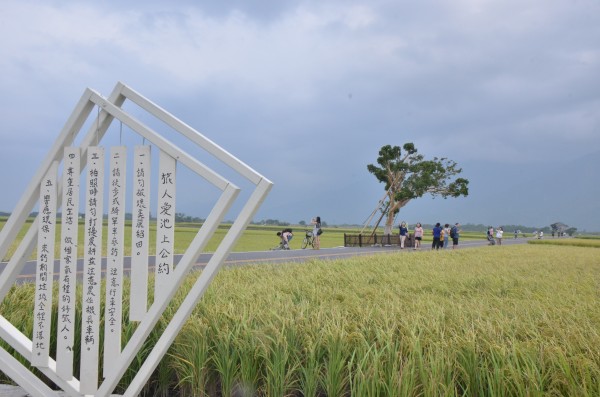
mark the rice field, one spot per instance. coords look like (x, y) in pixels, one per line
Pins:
(574, 242)
(515, 321)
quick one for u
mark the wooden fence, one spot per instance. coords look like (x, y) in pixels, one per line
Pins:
(369, 240)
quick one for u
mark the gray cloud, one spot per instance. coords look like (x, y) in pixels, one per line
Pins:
(307, 92)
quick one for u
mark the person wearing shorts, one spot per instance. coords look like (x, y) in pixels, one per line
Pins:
(455, 235)
(418, 235)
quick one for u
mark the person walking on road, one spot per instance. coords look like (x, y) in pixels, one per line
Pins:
(403, 234)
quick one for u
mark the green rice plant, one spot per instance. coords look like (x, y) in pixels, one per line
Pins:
(573, 242)
(163, 380)
(225, 359)
(190, 358)
(589, 237)
(419, 369)
(440, 377)
(335, 380)
(280, 363)
(250, 368)
(17, 307)
(575, 375)
(311, 369)
(164, 377)
(467, 369)
(408, 385)
(535, 375)
(365, 369)
(495, 380)
(391, 358)
(20, 234)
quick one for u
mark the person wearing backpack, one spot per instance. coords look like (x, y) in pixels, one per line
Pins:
(455, 234)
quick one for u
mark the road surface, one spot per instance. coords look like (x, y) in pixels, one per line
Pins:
(262, 257)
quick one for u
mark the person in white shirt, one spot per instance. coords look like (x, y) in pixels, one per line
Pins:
(499, 233)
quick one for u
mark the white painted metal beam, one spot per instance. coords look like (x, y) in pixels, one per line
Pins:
(109, 109)
(201, 140)
(163, 144)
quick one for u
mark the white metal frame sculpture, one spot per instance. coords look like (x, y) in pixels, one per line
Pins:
(48, 191)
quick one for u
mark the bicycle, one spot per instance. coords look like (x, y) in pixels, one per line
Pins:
(309, 239)
(283, 245)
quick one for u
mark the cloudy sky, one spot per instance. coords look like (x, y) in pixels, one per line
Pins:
(306, 92)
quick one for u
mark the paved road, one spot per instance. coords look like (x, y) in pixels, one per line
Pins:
(261, 257)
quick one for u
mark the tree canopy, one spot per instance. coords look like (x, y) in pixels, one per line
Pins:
(560, 228)
(408, 175)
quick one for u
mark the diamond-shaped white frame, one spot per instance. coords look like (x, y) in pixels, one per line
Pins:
(112, 109)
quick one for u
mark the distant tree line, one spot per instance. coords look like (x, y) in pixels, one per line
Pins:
(270, 222)
(558, 228)
(181, 217)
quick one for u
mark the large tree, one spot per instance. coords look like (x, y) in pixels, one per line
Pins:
(407, 175)
(559, 228)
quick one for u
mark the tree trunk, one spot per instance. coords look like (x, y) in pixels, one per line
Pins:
(389, 223)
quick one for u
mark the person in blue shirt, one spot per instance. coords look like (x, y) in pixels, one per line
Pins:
(403, 234)
(437, 233)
